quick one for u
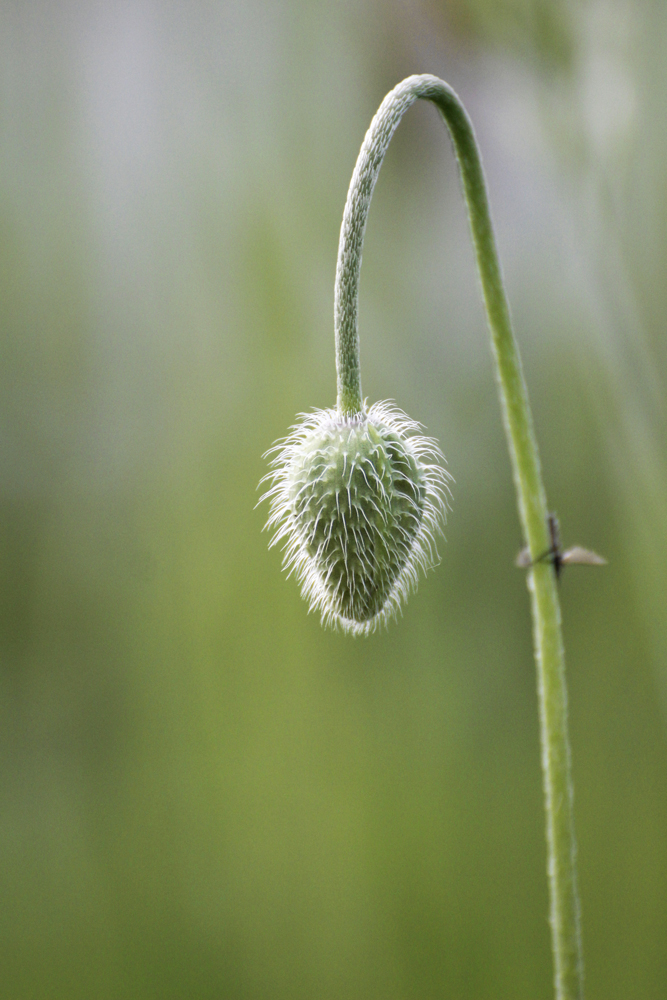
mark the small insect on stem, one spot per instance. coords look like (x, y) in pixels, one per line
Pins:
(555, 554)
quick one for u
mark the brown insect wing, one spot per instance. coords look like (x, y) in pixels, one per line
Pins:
(523, 560)
(584, 557)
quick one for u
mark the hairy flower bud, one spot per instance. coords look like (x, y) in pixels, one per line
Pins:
(357, 502)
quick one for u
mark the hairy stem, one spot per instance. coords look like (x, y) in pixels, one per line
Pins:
(549, 656)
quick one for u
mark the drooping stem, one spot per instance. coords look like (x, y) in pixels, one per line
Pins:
(552, 694)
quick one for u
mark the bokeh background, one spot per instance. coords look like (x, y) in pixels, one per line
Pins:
(202, 793)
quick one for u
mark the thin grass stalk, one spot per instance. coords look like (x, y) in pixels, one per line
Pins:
(564, 905)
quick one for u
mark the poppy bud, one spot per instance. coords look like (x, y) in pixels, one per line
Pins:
(357, 501)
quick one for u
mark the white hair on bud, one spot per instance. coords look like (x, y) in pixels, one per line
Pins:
(358, 502)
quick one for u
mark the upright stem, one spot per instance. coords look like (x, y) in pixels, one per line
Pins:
(552, 693)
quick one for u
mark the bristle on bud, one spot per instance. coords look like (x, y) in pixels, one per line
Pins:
(357, 502)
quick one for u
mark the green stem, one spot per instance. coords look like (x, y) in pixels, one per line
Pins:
(556, 766)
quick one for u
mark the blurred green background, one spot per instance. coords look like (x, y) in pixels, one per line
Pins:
(202, 793)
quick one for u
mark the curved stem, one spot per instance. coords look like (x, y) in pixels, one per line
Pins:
(556, 767)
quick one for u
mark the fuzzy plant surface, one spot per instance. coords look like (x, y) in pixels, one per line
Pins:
(357, 500)
(358, 495)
